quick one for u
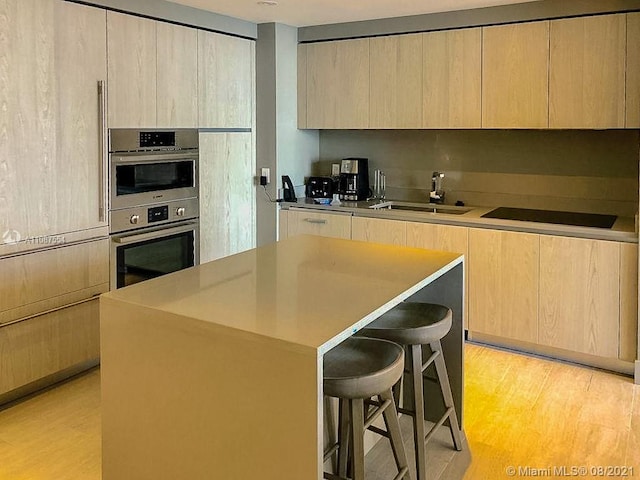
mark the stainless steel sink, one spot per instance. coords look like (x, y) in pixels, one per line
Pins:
(420, 207)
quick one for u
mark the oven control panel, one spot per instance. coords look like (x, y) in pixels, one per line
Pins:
(148, 215)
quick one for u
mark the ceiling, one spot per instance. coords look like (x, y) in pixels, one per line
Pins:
(301, 13)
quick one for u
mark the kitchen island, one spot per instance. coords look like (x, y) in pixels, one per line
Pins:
(216, 371)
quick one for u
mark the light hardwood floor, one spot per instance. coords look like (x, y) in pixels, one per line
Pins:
(519, 411)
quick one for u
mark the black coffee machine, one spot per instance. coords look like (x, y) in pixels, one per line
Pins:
(354, 179)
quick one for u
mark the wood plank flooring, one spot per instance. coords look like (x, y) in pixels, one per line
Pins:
(519, 411)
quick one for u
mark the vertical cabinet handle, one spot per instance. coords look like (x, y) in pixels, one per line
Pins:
(103, 189)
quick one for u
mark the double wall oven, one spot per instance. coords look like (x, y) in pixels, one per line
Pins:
(153, 204)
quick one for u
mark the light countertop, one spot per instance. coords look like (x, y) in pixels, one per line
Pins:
(622, 231)
(308, 291)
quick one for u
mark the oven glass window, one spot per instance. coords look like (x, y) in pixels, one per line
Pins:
(149, 177)
(153, 258)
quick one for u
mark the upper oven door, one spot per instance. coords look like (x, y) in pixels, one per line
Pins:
(144, 178)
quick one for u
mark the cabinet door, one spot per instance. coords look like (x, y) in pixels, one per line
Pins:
(587, 72)
(515, 67)
(446, 238)
(225, 80)
(628, 301)
(80, 165)
(47, 344)
(396, 82)
(452, 79)
(302, 85)
(338, 84)
(177, 84)
(27, 116)
(227, 195)
(391, 232)
(633, 71)
(334, 225)
(132, 71)
(579, 295)
(503, 284)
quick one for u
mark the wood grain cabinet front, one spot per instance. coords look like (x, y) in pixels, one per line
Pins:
(503, 284)
(515, 86)
(587, 72)
(338, 84)
(632, 107)
(54, 56)
(227, 195)
(378, 230)
(337, 225)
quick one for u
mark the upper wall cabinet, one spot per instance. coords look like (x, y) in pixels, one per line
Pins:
(633, 71)
(452, 79)
(52, 54)
(587, 72)
(177, 76)
(132, 71)
(515, 80)
(153, 73)
(225, 81)
(396, 82)
(338, 84)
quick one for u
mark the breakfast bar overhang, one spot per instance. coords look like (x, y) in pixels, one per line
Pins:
(216, 371)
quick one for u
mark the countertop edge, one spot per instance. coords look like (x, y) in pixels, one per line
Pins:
(471, 219)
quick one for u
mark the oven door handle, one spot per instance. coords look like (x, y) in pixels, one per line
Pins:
(163, 232)
(155, 157)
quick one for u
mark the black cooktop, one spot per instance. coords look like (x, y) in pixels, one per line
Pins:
(551, 216)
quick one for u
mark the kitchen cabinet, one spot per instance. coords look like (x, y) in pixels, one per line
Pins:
(226, 71)
(452, 79)
(305, 221)
(302, 85)
(503, 284)
(633, 71)
(579, 295)
(587, 72)
(67, 339)
(54, 54)
(177, 76)
(396, 81)
(49, 311)
(447, 238)
(377, 230)
(628, 302)
(227, 194)
(515, 65)
(132, 64)
(338, 84)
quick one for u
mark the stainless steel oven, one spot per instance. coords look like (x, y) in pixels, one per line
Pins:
(151, 252)
(151, 166)
(154, 209)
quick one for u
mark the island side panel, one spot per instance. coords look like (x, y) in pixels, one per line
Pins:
(188, 399)
(447, 290)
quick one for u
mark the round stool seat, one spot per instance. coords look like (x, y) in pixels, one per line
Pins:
(362, 367)
(411, 324)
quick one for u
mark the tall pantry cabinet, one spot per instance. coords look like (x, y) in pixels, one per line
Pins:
(52, 58)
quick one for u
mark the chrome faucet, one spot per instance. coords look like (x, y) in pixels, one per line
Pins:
(436, 195)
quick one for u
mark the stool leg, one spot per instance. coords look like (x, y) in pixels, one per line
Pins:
(445, 388)
(390, 415)
(343, 437)
(357, 438)
(418, 406)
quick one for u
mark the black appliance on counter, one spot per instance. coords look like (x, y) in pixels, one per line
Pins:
(354, 179)
(319, 187)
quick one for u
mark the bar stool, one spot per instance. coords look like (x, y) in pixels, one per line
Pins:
(355, 370)
(413, 325)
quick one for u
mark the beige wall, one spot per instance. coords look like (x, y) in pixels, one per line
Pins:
(577, 170)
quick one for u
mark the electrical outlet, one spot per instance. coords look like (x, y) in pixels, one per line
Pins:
(266, 172)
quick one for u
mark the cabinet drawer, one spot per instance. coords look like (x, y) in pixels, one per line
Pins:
(39, 281)
(47, 344)
(324, 224)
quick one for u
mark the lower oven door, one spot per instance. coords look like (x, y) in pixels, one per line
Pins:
(152, 252)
